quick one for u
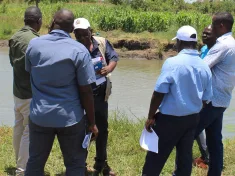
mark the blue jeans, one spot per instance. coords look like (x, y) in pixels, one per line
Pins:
(211, 119)
(70, 140)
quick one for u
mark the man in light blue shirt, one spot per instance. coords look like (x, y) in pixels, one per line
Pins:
(61, 74)
(221, 60)
(184, 83)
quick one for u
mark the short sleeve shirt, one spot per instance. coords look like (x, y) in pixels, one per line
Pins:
(186, 81)
(58, 65)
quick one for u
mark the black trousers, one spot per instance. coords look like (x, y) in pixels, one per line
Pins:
(70, 140)
(172, 131)
(101, 118)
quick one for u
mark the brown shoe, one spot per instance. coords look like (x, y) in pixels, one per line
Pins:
(202, 165)
(199, 162)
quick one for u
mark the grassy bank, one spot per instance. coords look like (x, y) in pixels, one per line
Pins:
(125, 155)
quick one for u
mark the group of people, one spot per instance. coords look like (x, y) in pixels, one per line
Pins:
(58, 91)
(61, 88)
(192, 93)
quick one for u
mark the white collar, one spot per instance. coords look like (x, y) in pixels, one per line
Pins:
(224, 36)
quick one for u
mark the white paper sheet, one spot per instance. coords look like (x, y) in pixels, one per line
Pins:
(100, 80)
(86, 140)
(149, 141)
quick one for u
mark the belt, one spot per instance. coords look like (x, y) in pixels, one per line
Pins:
(98, 90)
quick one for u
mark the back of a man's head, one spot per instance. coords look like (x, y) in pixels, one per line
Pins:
(226, 18)
(32, 15)
(186, 38)
(63, 20)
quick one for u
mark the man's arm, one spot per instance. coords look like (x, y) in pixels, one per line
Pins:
(87, 101)
(85, 77)
(154, 105)
(10, 53)
(216, 54)
(208, 92)
(162, 87)
(108, 69)
(112, 57)
(27, 59)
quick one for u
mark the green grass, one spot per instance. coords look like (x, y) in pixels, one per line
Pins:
(107, 17)
(124, 153)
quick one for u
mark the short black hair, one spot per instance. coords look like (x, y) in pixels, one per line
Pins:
(189, 44)
(64, 19)
(32, 15)
(226, 18)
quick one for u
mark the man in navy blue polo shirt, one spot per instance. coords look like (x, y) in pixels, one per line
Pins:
(61, 74)
(184, 83)
(105, 60)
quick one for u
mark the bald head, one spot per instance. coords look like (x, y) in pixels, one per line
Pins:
(32, 15)
(63, 20)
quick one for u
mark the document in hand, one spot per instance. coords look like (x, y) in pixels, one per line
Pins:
(97, 62)
(86, 140)
(149, 141)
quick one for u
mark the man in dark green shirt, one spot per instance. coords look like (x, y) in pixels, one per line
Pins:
(21, 84)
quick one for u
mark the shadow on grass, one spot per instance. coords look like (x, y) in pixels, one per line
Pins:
(63, 174)
(10, 171)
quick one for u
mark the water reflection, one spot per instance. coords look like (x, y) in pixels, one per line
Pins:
(133, 83)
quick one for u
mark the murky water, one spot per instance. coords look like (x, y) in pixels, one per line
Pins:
(133, 83)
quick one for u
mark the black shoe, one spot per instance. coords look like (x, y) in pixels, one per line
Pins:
(86, 172)
(96, 173)
(107, 171)
(104, 168)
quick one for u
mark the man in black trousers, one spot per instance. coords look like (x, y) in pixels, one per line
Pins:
(184, 83)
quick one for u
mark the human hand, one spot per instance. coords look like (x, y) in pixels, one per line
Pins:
(105, 71)
(149, 123)
(94, 130)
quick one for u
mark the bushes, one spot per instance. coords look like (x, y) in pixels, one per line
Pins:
(110, 17)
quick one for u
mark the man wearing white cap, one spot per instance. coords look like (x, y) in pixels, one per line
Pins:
(184, 84)
(105, 60)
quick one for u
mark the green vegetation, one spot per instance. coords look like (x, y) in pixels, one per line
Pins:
(125, 155)
(108, 17)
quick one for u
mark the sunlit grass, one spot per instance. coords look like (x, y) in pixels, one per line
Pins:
(124, 153)
(121, 22)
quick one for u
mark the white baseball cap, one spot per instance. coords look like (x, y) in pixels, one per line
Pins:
(186, 33)
(81, 23)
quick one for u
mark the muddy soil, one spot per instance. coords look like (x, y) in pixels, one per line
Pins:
(133, 49)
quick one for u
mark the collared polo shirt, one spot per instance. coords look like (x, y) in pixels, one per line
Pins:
(58, 65)
(204, 51)
(221, 60)
(186, 81)
(18, 45)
